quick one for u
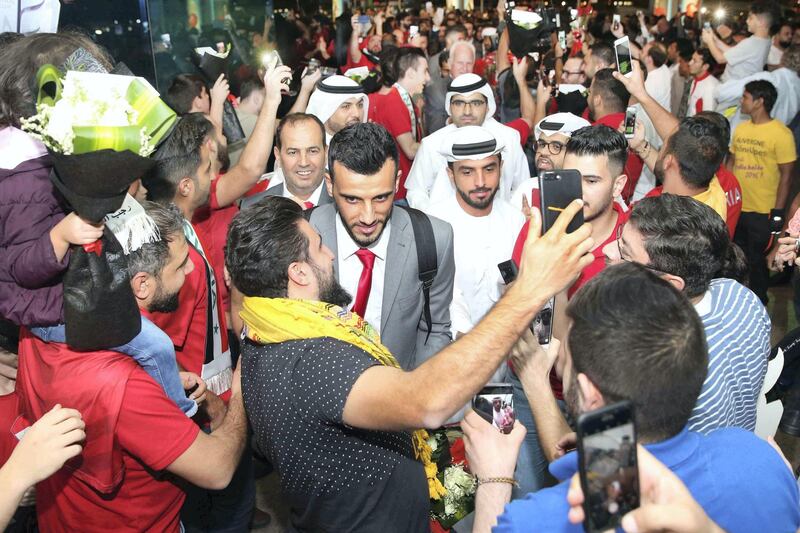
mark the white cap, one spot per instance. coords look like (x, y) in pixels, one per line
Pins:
(333, 92)
(563, 123)
(469, 84)
(470, 143)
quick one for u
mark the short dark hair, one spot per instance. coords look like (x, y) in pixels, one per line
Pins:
(685, 48)
(388, 65)
(293, 119)
(768, 9)
(407, 58)
(600, 140)
(764, 90)
(182, 92)
(362, 148)
(722, 123)
(152, 257)
(708, 58)
(177, 157)
(687, 238)
(615, 95)
(664, 361)
(262, 242)
(696, 145)
(457, 28)
(250, 86)
(605, 51)
(657, 53)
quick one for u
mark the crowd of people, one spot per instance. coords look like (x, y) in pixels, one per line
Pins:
(313, 297)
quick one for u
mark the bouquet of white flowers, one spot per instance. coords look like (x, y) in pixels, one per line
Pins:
(447, 447)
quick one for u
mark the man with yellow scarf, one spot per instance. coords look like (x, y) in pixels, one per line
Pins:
(328, 403)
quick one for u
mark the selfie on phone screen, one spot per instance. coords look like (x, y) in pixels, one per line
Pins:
(495, 404)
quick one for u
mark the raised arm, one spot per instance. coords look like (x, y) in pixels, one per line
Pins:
(239, 179)
(355, 51)
(664, 121)
(527, 105)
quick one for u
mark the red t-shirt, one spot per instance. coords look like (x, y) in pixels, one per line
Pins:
(363, 62)
(594, 268)
(9, 411)
(143, 427)
(393, 115)
(522, 127)
(634, 164)
(733, 196)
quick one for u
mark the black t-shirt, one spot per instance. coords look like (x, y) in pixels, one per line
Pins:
(336, 478)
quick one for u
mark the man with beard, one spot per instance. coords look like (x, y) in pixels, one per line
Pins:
(376, 249)
(780, 42)
(484, 226)
(469, 102)
(598, 152)
(369, 55)
(327, 401)
(633, 336)
(338, 102)
(135, 433)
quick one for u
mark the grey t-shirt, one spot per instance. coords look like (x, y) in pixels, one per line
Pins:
(746, 58)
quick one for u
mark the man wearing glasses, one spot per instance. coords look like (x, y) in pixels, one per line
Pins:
(686, 243)
(469, 102)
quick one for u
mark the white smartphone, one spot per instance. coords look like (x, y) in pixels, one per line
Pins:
(616, 21)
(622, 47)
(630, 122)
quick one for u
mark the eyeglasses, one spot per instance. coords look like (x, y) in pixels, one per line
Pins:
(651, 268)
(459, 104)
(554, 147)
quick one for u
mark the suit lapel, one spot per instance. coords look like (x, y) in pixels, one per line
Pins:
(396, 257)
(324, 197)
(275, 190)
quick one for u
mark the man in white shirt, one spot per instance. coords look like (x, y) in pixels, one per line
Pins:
(469, 102)
(659, 77)
(704, 85)
(300, 155)
(484, 226)
(338, 102)
(750, 55)
(780, 42)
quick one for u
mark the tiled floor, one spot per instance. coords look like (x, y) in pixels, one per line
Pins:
(781, 310)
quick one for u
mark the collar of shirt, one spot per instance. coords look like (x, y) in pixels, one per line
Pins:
(612, 120)
(314, 198)
(703, 307)
(347, 246)
(672, 452)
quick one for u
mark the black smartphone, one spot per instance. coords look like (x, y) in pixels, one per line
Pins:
(622, 47)
(542, 325)
(495, 404)
(630, 122)
(508, 271)
(557, 189)
(607, 464)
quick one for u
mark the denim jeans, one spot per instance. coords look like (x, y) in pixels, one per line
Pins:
(152, 349)
(531, 472)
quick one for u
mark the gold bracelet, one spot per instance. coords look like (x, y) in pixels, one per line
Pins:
(509, 480)
(646, 151)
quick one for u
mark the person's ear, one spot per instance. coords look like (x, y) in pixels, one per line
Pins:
(276, 151)
(143, 285)
(397, 180)
(619, 185)
(451, 174)
(186, 187)
(299, 273)
(592, 397)
(329, 183)
(675, 281)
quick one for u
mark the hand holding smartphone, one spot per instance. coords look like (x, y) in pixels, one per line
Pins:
(630, 122)
(495, 404)
(607, 465)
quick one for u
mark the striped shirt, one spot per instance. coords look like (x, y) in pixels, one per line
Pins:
(737, 330)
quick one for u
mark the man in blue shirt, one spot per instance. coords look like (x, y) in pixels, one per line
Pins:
(738, 479)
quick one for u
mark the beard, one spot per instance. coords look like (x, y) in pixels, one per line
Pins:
(784, 44)
(477, 204)
(594, 213)
(163, 302)
(572, 397)
(658, 171)
(372, 238)
(330, 291)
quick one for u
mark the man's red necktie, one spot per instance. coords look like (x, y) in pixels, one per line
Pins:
(367, 259)
(308, 205)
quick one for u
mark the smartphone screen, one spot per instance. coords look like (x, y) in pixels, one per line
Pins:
(557, 189)
(623, 49)
(617, 21)
(607, 463)
(562, 40)
(495, 404)
(542, 325)
(630, 122)
(363, 19)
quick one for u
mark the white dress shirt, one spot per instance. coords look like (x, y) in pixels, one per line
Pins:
(350, 268)
(659, 85)
(428, 182)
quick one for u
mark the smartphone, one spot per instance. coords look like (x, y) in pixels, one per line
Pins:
(562, 40)
(363, 19)
(413, 30)
(557, 189)
(622, 47)
(630, 122)
(495, 404)
(706, 25)
(607, 464)
(271, 59)
(616, 21)
(542, 325)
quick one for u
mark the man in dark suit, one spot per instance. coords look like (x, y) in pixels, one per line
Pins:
(376, 250)
(300, 151)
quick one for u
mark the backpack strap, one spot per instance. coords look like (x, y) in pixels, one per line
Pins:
(426, 258)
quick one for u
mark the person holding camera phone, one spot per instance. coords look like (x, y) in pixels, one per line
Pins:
(338, 392)
(739, 480)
